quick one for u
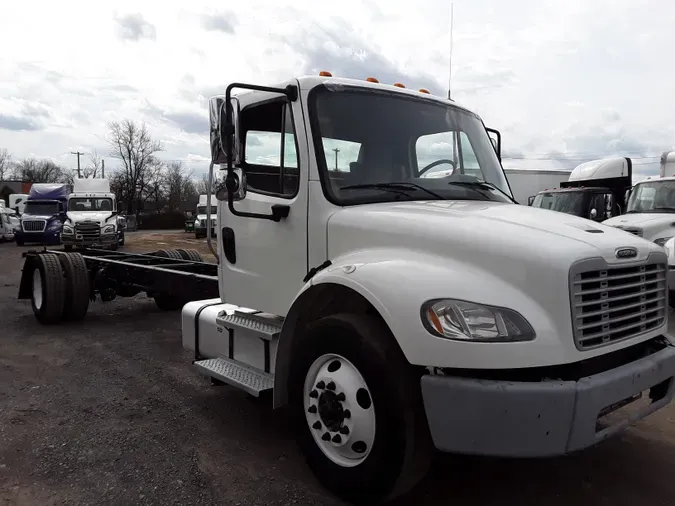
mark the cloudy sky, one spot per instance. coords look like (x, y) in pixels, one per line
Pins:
(564, 80)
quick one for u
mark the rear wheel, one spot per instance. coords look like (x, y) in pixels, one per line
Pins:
(77, 288)
(358, 409)
(48, 289)
(190, 254)
(168, 301)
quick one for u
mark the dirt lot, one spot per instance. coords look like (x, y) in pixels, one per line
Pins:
(111, 412)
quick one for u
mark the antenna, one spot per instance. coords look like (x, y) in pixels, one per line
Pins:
(452, 19)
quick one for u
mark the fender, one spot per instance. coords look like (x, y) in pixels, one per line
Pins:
(396, 282)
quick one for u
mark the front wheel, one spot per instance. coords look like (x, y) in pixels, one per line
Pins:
(359, 411)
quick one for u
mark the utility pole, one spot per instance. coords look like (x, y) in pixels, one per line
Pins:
(336, 150)
(103, 169)
(78, 161)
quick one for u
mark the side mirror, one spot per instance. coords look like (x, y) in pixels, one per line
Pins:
(496, 140)
(530, 200)
(593, 214)
(221, 130)
(238, 187)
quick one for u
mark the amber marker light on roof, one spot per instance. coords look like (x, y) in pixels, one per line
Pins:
(424, 90)
(372, 80)
(325, 73)
(399, 85)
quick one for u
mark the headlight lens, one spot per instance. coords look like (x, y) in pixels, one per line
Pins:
(54, 225)
(467, 321)
(109, 229)
(661, 241)
(67, 230)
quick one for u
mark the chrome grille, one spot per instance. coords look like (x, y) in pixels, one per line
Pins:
(88, 232)
(34, 225)
(612, 303)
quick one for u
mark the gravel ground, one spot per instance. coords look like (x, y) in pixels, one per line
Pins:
(110, 412)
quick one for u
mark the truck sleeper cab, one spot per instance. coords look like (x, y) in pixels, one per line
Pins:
(395, 313)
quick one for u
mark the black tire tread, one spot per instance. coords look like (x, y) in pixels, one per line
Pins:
(77, 286)
(190, 254)
(53, 293)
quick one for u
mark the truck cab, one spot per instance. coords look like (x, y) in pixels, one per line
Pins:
(395, 313)
(43, 215)
(595, 190)
(201, 221)
(92, 217)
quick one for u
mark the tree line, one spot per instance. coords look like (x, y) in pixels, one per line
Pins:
(139, 177)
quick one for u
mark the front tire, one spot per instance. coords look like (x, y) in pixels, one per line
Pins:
(358, 409)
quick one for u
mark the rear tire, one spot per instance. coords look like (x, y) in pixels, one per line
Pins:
(190, 254)
(382, 394)
(77, 286)
(167, 301)
(48, 289)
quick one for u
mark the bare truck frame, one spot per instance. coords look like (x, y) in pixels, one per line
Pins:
(61, 284)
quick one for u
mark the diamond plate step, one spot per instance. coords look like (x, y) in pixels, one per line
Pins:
(260, 325)
(236, 374)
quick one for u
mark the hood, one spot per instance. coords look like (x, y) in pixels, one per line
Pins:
(80, 216)
(495, 235)
(651, 226)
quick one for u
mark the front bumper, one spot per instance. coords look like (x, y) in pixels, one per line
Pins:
(46, 237)
(102, 240)
(537, 419)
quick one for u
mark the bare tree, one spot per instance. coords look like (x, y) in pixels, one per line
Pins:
(95, 166)
(6, 167)
(179, 186)
(202, 185)
(41, 171)
(133, 145)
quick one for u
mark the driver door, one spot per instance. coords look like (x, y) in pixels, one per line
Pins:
(270, 259)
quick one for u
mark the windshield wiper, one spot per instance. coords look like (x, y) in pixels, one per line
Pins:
(479, 183)
(402, 185)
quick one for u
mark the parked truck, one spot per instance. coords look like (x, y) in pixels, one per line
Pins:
(595, 190)
(17, 201)
(43, 215)
(202, 220)
(92, 218)
(393, 313)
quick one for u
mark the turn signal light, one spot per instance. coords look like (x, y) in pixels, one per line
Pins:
(325, 73)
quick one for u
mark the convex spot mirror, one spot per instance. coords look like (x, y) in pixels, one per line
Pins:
(594, 213)
(239, 189)
(530, 200)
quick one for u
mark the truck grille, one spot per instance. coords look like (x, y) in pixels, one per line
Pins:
(34, 225)
(88, 232)
(612, 303)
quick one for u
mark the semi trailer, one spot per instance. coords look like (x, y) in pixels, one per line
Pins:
(393, 313)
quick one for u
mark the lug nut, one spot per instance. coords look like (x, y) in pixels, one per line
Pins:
(320, 385)
(314, 394)
(344, 430)
(317, 425)
(341, 396)
(337, 439)
(311, 409)
(346, 413)
(331, 385)
(326, 436)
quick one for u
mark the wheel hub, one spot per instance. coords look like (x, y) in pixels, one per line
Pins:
(331, 411)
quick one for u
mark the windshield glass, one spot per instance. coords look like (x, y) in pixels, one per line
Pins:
(202, 210)
(655, 197)
(564, 202)
(41, 208)
(380, 138)
(90, 204)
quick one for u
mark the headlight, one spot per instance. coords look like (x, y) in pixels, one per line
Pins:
(196, 223)
(467, 321)
(661, 241)
(108, 229)
(54, 225)
(67, 230)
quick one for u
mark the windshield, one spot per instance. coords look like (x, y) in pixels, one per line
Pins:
(41, 208)
(367, 139)
(90, 204)
(202, 210)
(564, 202)
(655, 196)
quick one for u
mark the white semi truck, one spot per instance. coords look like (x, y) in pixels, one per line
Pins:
(92, 217)
(201, 221)
(394, 313)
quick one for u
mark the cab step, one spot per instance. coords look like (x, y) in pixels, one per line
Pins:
(237, 374)
(251, 324)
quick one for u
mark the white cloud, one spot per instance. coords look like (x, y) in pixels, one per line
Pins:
(562, 80)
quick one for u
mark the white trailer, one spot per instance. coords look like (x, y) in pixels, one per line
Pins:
(394, 313)
(528, 182)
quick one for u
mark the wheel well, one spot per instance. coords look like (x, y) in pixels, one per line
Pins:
(316, 302)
